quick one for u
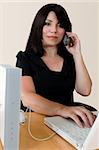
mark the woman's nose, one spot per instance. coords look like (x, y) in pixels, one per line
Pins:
(53, 29)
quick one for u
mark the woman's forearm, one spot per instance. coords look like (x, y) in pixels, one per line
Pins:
(83, 81)
(40, 104)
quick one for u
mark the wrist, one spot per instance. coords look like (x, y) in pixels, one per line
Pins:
(60, 111)
(77, 57)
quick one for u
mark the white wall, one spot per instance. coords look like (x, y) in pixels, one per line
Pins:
(15, 23)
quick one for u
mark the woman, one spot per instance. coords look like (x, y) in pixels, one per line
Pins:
(51, 71)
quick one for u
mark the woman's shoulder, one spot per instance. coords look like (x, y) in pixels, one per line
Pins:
(29, 57)
(25, 55)
(21, 55)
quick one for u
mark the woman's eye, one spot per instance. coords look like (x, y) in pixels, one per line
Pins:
(47, 23)
(59, 24)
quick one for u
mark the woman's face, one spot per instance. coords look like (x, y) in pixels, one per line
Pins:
(52, 33)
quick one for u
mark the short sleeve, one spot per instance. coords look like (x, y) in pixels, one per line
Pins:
(23, 63)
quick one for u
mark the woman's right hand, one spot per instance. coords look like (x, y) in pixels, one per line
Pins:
(82, 116)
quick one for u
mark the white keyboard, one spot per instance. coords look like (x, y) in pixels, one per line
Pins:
(76, 133)
(68, 129)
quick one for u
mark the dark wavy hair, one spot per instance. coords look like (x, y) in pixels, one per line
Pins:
(34, 42)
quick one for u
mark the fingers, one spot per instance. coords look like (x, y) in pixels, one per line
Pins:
(86, 116)
(74, 38)
(71, 34)
(82, 116)
(74, 46)
(77, 120)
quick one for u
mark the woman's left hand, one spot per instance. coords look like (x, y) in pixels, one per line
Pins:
(74, 47)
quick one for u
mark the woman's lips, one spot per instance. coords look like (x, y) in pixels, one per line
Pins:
(52, 37)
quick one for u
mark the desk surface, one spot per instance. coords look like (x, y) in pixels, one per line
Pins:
(40, 130)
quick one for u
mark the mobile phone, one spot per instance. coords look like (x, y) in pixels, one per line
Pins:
(66, 40)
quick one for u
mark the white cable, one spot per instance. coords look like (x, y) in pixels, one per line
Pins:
(36, 138)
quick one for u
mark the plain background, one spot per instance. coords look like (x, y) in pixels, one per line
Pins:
(16, 18)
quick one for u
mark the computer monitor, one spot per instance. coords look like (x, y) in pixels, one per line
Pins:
(9, 106)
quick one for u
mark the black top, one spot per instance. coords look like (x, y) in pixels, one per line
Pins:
(55, 86)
